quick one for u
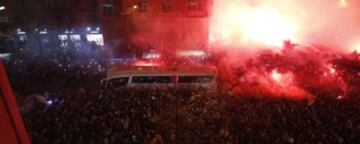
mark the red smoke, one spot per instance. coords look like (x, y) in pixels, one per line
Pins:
(296, 73)
(258, 23)
(284, 47)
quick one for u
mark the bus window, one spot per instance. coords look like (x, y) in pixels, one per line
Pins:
(151, 79)
(118, 82)
(103, 83)
(196, 79)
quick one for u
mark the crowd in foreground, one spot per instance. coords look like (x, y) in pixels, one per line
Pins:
(179, 116)
(77, 110)
(81, 113)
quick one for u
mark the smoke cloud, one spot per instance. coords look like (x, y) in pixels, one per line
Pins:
(259, 57)
(244, 23)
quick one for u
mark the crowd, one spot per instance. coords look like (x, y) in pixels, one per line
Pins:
(48, 65)
(142, 115)
(180, 116)
(83, 113)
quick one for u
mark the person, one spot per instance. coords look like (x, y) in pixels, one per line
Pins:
(157, 140)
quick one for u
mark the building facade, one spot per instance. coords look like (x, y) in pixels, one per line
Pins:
(53, 13)
(164, 25)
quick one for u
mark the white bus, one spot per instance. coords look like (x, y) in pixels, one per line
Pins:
(152, 77)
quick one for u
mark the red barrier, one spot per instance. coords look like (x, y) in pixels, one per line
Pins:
(12, 130)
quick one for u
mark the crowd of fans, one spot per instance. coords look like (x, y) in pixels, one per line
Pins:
(179, 116)
(48, 65)
(77, 110)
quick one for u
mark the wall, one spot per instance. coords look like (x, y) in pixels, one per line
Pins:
(126, 21)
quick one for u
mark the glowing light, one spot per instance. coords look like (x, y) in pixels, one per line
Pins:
(97, 38)
(146, 64)
(355, 47)
(63, 37)
(49, 102)
(267, 27)
(152, 56)
(4, 55)
(282, 79)
(332, 70)
(2, 8)
(43, 32)
(135, 6)
(191, 53)
(260, 25)
(340, 97)
(343, 3)
(75, 37)
(276, 76)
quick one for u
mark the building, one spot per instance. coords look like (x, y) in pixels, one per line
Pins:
(4, 18)
(164, 25)
(45, 22)
(53, 13)
(4, 31)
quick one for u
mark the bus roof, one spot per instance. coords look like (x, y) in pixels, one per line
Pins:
(156, 70)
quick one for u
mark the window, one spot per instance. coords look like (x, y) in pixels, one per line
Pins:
(166, 6)
(195, 79)
(111, 8)
(75, 37)
(97, 38)
(197, 8)
(193, 5)
(142, 5)
(118, 82)
(4, 46)
(151, 79)
(67, 4)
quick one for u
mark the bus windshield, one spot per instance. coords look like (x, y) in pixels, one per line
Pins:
(195, 79)
(151, 79)
(118, 82)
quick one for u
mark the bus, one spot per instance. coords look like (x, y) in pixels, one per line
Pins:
(160, 77)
